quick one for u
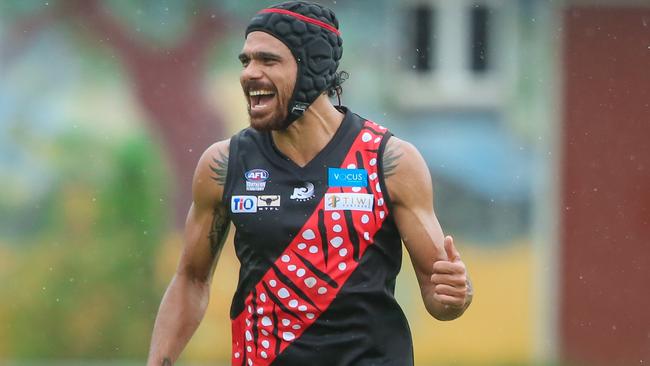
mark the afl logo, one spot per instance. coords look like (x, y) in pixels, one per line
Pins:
(256, 179)
(257, 175)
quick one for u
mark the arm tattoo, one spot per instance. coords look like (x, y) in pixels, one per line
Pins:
(390, 159)
(166, 362)
(219, 167)
(218, 230)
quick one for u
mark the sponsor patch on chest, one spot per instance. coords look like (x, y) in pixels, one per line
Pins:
(243, 204)
(337, 177)
(256, 179)
(349, 201)
(268, 202)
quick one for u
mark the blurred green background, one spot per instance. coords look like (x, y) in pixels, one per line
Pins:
(105, 107)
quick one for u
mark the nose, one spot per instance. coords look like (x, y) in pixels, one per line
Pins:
(251, 71)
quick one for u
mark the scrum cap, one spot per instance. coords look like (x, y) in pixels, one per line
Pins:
(311, 32)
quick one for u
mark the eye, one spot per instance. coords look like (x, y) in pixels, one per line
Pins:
(269, 61)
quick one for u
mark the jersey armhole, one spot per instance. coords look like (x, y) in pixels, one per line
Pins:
(380, 171)
(230, 172)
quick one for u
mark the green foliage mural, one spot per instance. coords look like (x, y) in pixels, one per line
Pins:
(85, 288)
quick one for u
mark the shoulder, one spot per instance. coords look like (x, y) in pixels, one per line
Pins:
(405, 171)
(211, 173)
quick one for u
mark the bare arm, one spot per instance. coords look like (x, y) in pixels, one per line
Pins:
(444, 283)
(186, 299)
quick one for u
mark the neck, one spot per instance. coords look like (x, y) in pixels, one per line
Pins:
(309, 134)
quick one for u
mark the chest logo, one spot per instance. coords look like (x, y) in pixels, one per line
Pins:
(256, 179)
(243, 204)
(268, 203)
(337, 177)
(349, 201)
(304, 193)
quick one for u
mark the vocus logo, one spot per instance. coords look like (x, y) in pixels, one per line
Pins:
(337, 177)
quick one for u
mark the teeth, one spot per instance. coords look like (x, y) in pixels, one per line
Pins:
(253, 93)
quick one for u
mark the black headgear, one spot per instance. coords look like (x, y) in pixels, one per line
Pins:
(311, 32)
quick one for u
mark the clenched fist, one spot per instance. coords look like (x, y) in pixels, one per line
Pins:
(452, 285)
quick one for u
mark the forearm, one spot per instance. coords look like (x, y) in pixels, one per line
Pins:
(180, 313)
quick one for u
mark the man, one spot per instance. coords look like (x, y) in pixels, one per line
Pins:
(319, 198)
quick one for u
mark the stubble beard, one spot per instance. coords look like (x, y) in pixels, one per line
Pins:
(273, 122)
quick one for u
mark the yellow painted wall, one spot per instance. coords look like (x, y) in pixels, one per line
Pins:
(496, 329)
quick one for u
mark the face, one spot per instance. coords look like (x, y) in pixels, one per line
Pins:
(267, 79)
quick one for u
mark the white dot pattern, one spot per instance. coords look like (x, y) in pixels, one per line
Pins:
(310, 282)
(283, 293)
(309, 234)
(336, 241)
(300, 272)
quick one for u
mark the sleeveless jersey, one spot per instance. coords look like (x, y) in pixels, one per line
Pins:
(319, 253)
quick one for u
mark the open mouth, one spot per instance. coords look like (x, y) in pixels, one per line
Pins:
(259, 99)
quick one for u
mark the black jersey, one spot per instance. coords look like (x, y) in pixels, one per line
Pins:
(319, 253)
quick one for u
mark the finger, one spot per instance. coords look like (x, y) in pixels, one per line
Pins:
(444, 267)
(449, 300)
(450, 249)
(451, 280)
(451, 291)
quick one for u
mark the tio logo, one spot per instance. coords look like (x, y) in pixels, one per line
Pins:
(243, 204)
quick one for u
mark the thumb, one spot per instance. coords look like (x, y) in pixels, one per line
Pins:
(450, 249)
